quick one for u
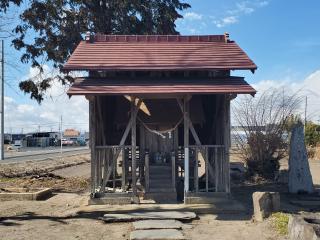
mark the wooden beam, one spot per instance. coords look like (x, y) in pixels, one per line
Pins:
(147, 178)
(102, 154)
(124, 171)
(92, 131)
(123, 139)
(196, 173)
(227, 143)
(173, 169)
(216, 168)
(114, 166)
(133, 146)
(186, 144)
(207, 169)
(128, 128)
(193, 131)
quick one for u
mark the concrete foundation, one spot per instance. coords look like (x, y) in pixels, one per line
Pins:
(114, 199)
(22, 194)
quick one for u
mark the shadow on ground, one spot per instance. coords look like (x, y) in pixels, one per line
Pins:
(242, 193)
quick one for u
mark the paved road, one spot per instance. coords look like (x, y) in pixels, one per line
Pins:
(43, 154)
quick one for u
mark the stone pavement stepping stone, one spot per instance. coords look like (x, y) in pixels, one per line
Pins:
(157, 224)
(158, 234)
(135, 216)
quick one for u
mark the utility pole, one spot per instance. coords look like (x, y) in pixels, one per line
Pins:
(61, 135)
(2, 103)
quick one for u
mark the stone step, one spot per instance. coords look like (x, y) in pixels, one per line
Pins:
(161, 197)
(157, 234)
(162, 189)
(160, 182)
(158, 175)
(111, 200)
(145, 215)
(160, 168)
(157, 224)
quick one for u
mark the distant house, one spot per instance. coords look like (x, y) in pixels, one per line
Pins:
(71, 134)
(11, 138)
(42, 139)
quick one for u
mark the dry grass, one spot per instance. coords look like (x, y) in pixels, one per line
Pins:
(73, 184)
(34, 174)
(30, 168)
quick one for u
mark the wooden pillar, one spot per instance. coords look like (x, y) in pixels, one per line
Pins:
(227, 143)
(206, 156)
(217, 168)
(196, 172)
(186, 145)
(133, 146)
(92, 132)
(124, 170)
(114, 168)
(146, 165)
(173, 169)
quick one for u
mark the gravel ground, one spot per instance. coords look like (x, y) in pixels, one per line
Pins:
(67, 216)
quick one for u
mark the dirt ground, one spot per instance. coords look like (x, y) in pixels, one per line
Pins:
(69, 174)
(66, 214)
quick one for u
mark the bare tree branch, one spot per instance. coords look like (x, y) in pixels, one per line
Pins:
(261, 129)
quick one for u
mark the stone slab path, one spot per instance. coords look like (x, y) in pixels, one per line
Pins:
(157, 234)
(135, 216)
(154, 225)
(157, 224)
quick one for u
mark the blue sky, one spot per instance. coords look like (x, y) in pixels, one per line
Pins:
(281, 37)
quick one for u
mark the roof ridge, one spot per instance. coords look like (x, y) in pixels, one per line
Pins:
(157, 38)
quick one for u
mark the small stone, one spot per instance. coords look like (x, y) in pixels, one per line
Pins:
(265, 203)
(302, 227)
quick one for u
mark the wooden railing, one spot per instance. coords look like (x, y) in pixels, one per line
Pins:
(104, 166)
(214, 158)
(216, 167)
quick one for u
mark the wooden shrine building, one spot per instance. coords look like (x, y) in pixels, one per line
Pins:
(159, 109)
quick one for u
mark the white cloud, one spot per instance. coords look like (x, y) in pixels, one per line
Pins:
(262, 3)
(28, 116)
(192, 16)
(309, 87)
(226, 21)
(241, 8)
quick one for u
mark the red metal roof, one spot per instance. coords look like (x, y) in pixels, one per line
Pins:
(159, 52)
(101, 86)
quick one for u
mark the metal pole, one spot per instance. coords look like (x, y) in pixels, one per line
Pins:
(61, 135)
(2, 104)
